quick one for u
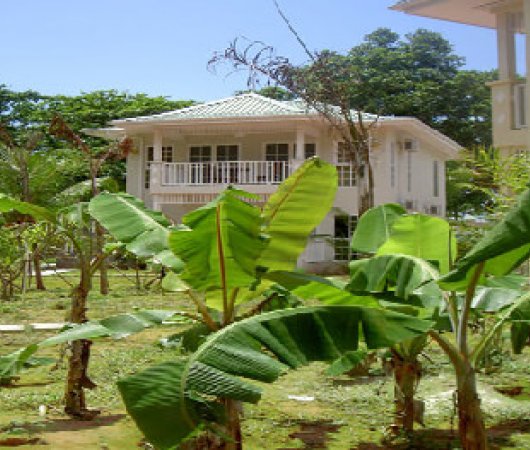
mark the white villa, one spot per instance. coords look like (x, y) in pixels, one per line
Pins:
(510, 94)
(184, 158)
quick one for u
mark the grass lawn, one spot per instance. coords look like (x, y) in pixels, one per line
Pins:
(345, 413)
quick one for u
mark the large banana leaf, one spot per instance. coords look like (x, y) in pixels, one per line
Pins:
(520, 326)
(8, 204)
(170, 401)
(313, 287)
(118, 326)
(426, 237)
(402, 275)
(143, 231)
(501, 250)
(297, 207)
(374, 227)
(220, 243)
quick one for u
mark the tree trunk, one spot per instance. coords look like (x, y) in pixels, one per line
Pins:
(77, 379)
(103, 270)
(233, 425)
(471, 427)
(39, 281)
(406, 377)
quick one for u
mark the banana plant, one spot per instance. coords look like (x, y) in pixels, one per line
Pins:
(172, 401)
(226, 245)
(495, 256)
(116, 327)
(73, 225)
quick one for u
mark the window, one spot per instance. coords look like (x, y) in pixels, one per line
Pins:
(436, 179)
(150, 154)
(147, 173)
(310, 150)
(344, 228)
(343, 155)
(167, 154)
(201, 153)
(227, 153)
(434, 210)
(277, 152)
(201, 173)
(346, 175)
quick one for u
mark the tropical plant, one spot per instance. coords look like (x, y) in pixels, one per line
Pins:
(499, 252)
(74, 225)
(222, 249)
(116, 327)
(172, 401)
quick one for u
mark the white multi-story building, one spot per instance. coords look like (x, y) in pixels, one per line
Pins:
(184, 158)
(510, 93)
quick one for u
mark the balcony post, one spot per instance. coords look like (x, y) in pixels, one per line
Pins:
(300, 150)
(506, 46)
(156, 167)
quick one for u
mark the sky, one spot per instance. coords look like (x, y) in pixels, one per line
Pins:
(161, 47)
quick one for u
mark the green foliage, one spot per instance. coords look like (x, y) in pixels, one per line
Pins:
(220, 243)
(170, 401)
(501, 250)
(374, 227)
(117, 327)
(423, 236)
(285, 214)
(144, 232)
(420, 76)
(406, 277)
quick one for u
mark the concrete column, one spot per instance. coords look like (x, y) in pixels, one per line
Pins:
(300, 149)
(506, 46)
(527, 30)
(156, 166)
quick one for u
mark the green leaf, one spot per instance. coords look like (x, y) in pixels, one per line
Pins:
(502, 249)
(144, 232)
(426, 237)
(297, 207)
(491, 300)
(118, 326)
(260, 348)
(374, 227)
(347, 362)
(402, 275)
(520, 326)
(8, 204)
(313, 287)
(220, 243)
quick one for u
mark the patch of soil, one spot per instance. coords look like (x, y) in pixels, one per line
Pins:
(314, 434)
(356, 381)
(510, 391)
(17, 442)
(72, 425)
(435, 439)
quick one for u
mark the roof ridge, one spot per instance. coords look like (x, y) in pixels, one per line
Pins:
(181, 110)
(280, 103)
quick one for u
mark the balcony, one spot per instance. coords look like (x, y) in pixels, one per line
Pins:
(225, 172)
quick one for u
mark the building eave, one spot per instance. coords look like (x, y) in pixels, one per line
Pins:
(471, 12)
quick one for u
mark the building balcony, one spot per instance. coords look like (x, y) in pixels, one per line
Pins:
(223, 173)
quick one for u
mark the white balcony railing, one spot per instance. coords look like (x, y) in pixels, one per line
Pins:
(519, 105)
(225, 172)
